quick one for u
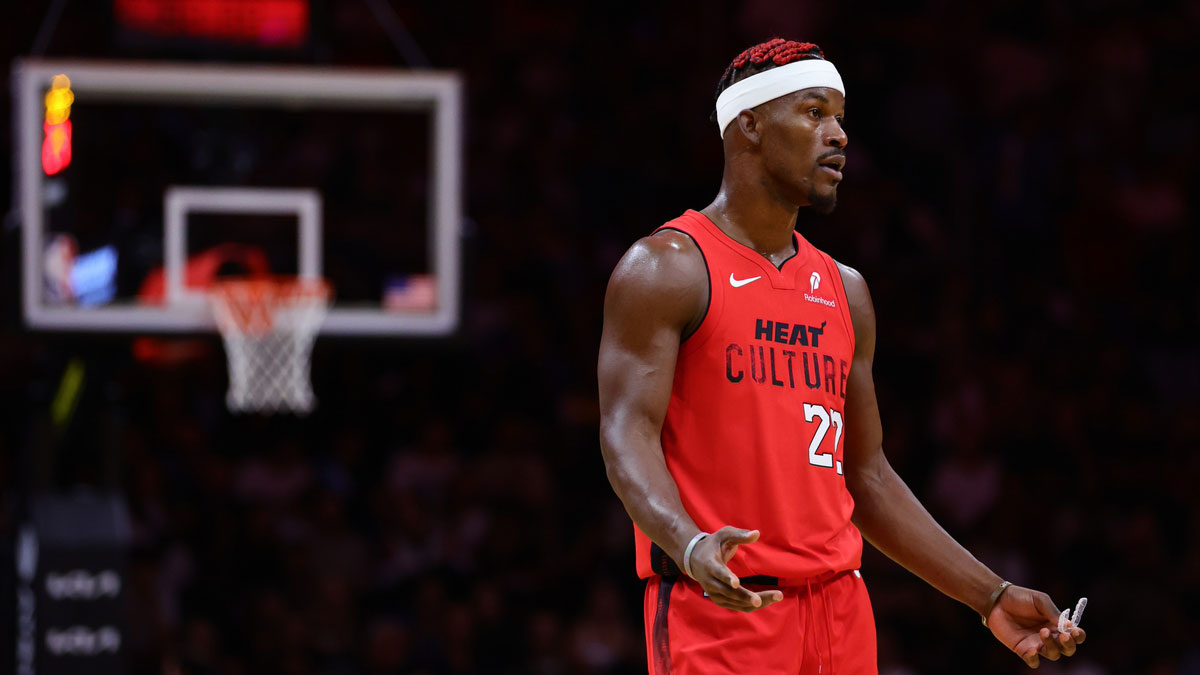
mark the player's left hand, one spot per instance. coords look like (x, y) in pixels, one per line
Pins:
(1026, 621)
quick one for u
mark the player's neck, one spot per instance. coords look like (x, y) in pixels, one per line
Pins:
(753, 218)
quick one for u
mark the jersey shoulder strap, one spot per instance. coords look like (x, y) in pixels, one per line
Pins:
(695, 226)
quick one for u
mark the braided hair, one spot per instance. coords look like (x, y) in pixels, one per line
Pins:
(765, 56)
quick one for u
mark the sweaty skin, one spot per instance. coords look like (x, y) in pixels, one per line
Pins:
(783, 155)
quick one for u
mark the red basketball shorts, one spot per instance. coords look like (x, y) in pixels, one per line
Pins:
(822, 626)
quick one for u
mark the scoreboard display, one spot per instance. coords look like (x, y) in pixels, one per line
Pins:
(258, 24)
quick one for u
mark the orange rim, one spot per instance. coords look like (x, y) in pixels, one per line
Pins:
(251, 303)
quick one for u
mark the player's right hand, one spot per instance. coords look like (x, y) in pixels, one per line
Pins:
(709, 569)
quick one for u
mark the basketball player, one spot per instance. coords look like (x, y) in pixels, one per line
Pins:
(739, 421)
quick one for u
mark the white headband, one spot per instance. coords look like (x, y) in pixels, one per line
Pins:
(771, 84)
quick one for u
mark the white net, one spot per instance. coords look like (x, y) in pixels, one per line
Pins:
(268, 326)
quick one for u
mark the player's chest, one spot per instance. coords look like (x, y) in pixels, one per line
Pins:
(782, 340)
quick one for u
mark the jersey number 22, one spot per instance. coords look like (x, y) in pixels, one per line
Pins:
(826, 417)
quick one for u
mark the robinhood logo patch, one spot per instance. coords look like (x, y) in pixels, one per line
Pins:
(814, 282)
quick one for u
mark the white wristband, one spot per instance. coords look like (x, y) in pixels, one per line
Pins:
(687, 553)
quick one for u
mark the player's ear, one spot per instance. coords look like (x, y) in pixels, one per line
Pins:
(748, 123)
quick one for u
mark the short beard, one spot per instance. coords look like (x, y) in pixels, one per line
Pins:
(823, 204)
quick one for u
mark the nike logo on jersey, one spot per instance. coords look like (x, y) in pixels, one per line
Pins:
(738, 283)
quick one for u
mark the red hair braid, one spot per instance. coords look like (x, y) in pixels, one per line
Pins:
(767, 55)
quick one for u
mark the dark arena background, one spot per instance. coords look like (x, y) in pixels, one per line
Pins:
(1020, 194)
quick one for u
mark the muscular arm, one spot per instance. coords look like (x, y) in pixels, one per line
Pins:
(886, 512)
(657, 295)
(893, 521)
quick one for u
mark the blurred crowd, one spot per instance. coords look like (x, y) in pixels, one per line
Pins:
(1019, 196)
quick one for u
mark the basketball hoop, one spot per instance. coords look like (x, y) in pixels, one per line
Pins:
(268, 325)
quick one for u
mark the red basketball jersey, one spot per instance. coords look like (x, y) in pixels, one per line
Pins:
(754, 430)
